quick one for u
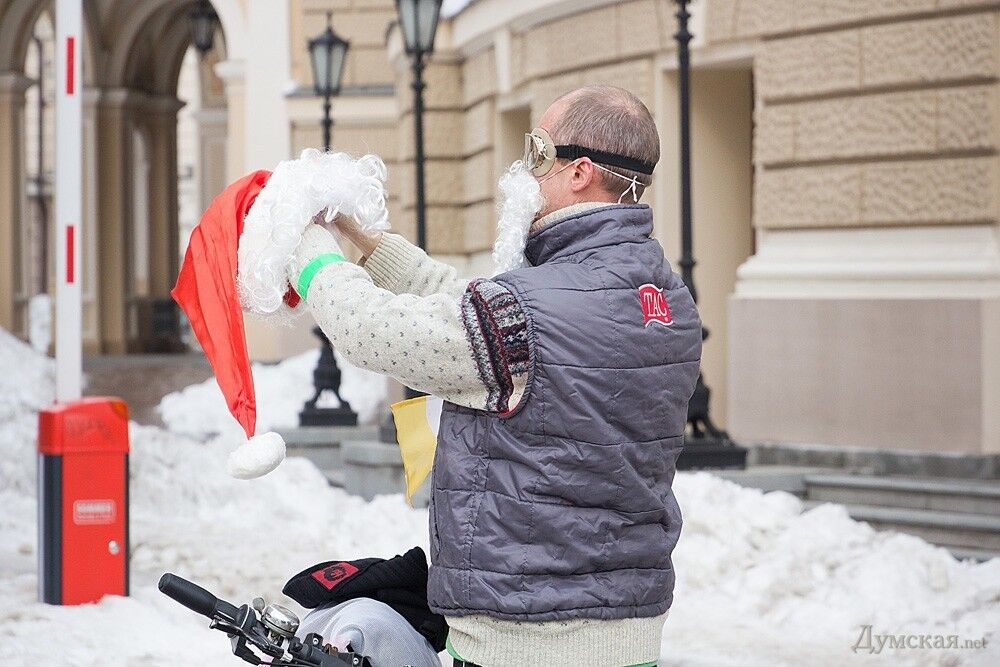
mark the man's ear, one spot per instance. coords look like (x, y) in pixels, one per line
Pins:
(583, 176)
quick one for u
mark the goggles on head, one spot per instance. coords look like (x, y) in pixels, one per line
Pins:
(540, 154)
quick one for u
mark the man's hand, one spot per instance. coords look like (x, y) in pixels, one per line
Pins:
(365, 241)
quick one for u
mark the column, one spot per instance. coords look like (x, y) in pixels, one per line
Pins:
(163, 225)
(114, 185)
(91, 297)
(212, 145)
(12, 196)
(232, 74)
(869, 315)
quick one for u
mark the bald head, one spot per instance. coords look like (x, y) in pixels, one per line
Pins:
(610, 119)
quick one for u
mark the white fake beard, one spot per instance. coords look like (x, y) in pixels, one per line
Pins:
(521, 200)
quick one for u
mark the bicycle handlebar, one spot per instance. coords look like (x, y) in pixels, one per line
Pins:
(194, 597)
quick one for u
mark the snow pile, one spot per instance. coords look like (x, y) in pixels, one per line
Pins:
(199, 411)
(188, 516)
(759, 582)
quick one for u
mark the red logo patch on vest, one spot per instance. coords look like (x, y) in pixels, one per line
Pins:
(331, 575)
(654, 305)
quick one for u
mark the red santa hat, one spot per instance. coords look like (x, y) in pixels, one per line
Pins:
(206, 291)
(237, 260)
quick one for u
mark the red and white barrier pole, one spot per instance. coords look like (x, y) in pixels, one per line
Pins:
(82, 444)
(69, 189)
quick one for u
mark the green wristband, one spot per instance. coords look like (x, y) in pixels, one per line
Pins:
(314, 267)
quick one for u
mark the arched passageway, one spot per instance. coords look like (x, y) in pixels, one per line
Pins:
(134, 189)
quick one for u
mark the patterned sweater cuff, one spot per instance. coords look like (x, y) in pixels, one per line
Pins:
(315, 242)
(392, 261)
(498, 334)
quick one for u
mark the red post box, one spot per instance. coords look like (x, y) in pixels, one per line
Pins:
(83, 500)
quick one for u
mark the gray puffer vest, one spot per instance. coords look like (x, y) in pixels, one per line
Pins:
(563, 507)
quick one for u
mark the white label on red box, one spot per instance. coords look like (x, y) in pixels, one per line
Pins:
(93, 512)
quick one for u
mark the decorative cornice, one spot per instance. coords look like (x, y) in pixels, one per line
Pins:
(372, 90)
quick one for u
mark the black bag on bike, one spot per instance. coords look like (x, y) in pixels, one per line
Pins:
(399, 582)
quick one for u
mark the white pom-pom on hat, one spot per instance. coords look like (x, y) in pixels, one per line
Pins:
(257, 456)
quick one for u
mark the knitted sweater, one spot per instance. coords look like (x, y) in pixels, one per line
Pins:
(406, 315)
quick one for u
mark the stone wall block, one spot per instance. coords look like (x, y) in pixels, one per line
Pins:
(969, 118)
(478, 127)
(640, 26)
(518, 64)
(556, 46)
(480, 226)
(941, 49)
(809, 15)
(808, 197)
(479, 76)
(322, 6)
(634, 75)
(443, 135)
(961, 190)
(445, 231)
(381, 141)
(720, 23)
(774, 139)
(809, 64)
(887, 124)
(443, 183)
(759, 17)
(478, 175)
(360, 28)
(443, 91)
(867, 126)
(366, 66)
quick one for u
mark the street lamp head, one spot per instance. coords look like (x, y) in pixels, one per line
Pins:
(418, 20)
(328, 53)
(203, 23)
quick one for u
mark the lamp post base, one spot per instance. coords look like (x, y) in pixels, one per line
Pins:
(706, 445)
(327, 377)
(339, 416)
(706, 452)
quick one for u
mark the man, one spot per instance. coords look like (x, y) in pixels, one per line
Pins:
(566, 379)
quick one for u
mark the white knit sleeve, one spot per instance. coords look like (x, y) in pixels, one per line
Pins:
(419, 340)
(402, 268)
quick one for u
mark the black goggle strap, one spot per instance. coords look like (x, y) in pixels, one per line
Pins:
(574, 152)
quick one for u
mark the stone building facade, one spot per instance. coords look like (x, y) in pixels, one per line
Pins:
(845, 169)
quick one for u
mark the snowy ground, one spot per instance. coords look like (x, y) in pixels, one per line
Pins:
(759, 582)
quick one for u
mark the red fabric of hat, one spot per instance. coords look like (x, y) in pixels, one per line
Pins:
(206, 291)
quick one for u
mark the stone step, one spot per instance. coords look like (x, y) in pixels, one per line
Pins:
(945, 495)
(790, 479)
(948, 529)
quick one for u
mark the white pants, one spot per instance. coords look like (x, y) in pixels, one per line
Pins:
(373, 629)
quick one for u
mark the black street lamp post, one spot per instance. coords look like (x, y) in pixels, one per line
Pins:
(707, 446)
(203, 23)
(418, 20)
(328, 53)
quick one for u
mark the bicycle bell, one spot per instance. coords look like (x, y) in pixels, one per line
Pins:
(279, 620)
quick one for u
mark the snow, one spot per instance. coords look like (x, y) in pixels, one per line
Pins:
(759, 581)
(40, 322)
(199, 411)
